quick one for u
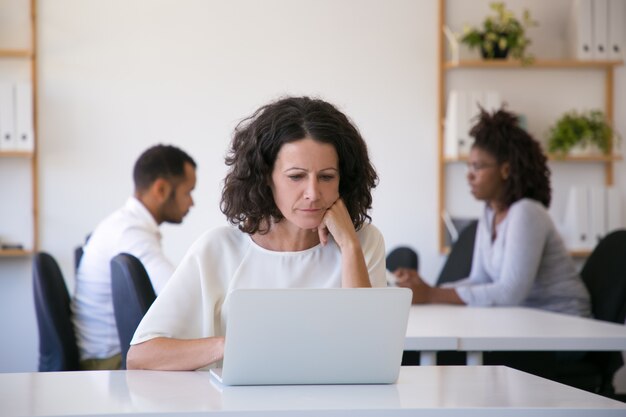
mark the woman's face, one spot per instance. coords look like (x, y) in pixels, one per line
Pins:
(305, 181)
(485, 176)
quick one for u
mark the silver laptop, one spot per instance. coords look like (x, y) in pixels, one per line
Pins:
(314, 336)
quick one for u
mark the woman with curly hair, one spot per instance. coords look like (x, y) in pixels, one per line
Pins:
(299, 190)
(519, 257)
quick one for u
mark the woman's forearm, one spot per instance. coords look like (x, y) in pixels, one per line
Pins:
(167, 354)
(443, 296)
(354, 272)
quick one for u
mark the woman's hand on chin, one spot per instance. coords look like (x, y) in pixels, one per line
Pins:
(337, 222)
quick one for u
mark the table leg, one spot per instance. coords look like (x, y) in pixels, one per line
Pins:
(428, 358)
(474, 358)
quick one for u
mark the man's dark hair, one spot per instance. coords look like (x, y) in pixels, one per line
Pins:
(500, 135)
(160, 161)
(247, 200)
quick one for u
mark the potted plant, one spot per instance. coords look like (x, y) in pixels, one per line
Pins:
(501, 35)
(586, 132)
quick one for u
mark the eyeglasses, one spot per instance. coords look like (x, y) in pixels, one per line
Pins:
(474, 167)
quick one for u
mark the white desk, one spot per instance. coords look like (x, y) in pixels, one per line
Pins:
(429, 391)
(434, 328)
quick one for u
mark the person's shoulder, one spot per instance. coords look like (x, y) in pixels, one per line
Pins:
(369, 233)
(528, 205)
(528, 209)
(221, 237)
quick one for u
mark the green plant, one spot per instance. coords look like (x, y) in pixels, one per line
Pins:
(573, 128)
(501, 32)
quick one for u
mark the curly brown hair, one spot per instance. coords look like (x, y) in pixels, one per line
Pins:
(500, 135)
(247, 200)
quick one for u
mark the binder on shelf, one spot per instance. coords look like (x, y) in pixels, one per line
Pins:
(7, 118)
(597, 214)
(576, 222)
(462, 111)
(613, 209)
(600, 35)
(579, 30)
(24, 126)
(475, 100)
(456, 129)
(617, 18)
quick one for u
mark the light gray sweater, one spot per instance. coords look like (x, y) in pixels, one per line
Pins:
(527, 264)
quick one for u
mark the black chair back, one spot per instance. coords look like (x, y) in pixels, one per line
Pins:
(133, 295)
(57, 341)
(604, 274)
(459, 262)
(402, 257)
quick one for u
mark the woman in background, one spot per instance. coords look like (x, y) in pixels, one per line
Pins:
(299, 189)
(519, 257)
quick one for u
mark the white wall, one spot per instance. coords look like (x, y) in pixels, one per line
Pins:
(117, 76)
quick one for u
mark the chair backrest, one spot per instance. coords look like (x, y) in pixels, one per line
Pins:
(604, 274)
(57, 341)
(402, 257)
(459, 262)
(78, 255)
(133, 295)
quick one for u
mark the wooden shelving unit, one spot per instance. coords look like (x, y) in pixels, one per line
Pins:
(557, 158)
(445, 66)
(537, 64)
(29, 54)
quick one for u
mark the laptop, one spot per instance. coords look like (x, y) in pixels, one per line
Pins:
(314, 336)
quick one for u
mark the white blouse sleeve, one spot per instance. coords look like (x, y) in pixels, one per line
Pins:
(525, 238)
(373, 246)
(189, 305)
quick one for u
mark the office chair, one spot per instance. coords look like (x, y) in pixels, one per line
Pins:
(133, 295)
(459, 262)
(78, 252)
(78, 255)
(604, 274)
(402, 257)
(57, 342)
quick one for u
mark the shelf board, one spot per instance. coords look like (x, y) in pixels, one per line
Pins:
(16, 53)
(585, 158)
(17, 154)
(554, 63)
(557, 158)
(14, 253)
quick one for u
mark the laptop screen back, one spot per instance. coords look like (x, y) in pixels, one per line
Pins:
(315, 336)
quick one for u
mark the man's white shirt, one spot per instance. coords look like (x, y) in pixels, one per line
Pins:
(130, 229)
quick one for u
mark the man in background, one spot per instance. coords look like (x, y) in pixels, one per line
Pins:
(164, 178)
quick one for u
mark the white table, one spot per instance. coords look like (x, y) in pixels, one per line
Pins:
(433, 328)
(444, 391)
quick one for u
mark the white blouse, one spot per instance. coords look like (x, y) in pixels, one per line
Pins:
(194, 303)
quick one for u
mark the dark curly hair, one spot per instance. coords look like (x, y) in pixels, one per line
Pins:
(247, 200)
(500, 135)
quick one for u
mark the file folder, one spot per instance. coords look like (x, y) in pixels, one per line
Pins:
(600, 13)
(576, 224)
(613, 209)
(597, 214)
(7, 118)
(475, 100)
(617, 20)
(457, 141)
(579, 30)
(24, 126)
